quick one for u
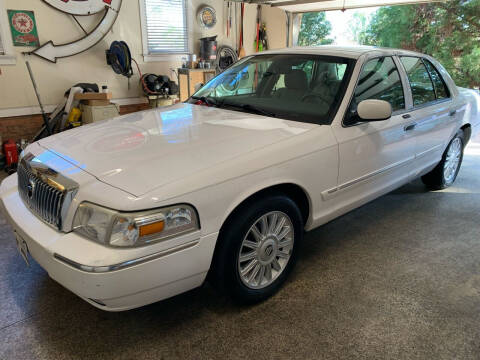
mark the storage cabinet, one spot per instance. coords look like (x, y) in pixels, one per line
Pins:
(188, 78)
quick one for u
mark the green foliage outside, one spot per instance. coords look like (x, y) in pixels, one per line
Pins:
(449, 31)
(314, 30)
(358, 28)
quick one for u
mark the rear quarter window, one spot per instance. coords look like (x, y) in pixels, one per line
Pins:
(441, 90)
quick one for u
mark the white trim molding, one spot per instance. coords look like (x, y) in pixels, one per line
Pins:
(34, 110)
(130, 101)
(9, 58)
(165, 57)
(23, 111)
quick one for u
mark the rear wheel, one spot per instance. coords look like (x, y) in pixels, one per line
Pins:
(445, 173)
(258, 248)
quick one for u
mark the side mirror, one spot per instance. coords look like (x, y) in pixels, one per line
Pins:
(374, 110)
(198, 86)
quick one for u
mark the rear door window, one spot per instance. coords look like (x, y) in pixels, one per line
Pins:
(441, 90)
(420, 82)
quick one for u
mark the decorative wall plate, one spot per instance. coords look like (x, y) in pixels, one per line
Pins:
(207, 17)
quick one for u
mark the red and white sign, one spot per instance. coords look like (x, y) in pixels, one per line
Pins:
(22, 23)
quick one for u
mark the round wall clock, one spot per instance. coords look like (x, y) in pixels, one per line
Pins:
(207, 17)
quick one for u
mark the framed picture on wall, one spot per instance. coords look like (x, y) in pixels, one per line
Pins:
(23, 28)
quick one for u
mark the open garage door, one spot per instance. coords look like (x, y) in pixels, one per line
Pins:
(300, 6)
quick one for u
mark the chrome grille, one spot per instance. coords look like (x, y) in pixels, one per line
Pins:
(47, 193)
(44, 200)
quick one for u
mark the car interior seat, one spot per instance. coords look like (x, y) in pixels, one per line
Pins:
(327, 83)
(296, 84)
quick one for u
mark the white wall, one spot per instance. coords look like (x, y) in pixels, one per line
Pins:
(53, 79)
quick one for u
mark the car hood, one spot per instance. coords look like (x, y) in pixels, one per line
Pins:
(143, 151)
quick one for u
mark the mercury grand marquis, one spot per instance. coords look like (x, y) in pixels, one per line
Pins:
(139, 208)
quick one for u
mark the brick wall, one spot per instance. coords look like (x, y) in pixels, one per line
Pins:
(20, 127)
(127, 109)
(25, 127)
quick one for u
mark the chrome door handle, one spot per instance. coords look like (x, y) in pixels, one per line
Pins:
(410, 127)
(452, 112)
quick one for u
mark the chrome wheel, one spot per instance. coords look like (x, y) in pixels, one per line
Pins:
(265, 250)
(452, 160)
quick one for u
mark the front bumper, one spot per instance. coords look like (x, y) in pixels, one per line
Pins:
(110, 279)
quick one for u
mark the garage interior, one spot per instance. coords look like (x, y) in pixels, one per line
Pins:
(397, 278)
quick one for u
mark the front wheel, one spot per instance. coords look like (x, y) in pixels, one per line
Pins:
(258, 248)
(445, 173)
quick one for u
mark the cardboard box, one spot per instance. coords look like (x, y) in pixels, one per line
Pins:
(96, 102)
(93, 96)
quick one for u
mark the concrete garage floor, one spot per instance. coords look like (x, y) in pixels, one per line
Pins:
(398, 278)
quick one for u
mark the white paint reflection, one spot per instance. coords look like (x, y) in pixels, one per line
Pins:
(260, 123)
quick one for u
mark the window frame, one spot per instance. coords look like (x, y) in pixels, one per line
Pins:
(403, 80)
(449, 94)
(147, 57)
(9, 58)
(433, 102)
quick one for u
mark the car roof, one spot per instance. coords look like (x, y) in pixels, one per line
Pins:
(353, 52)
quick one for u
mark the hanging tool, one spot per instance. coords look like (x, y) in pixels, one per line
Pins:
(257, 42)
(263, 38)
(228, 19)
(236, 27)
(241, 50)
(44, 116)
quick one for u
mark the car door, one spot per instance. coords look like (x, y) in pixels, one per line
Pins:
(375, 157)
(432, 115)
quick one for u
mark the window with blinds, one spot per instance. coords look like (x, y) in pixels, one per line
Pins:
(165, 26)
(7, 52)
(2, 51)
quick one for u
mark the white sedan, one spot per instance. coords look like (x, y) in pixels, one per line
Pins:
(142, 207)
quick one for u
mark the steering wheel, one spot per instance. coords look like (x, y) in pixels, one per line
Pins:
(229, 87)
(316, 96)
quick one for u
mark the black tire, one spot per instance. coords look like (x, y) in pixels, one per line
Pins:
(225, 271)
(435, 179)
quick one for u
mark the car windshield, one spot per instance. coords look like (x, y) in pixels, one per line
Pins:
(306, 88)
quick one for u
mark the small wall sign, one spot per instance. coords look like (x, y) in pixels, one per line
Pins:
(207, 17)
(23, 27)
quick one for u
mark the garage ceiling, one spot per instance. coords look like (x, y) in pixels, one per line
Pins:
(299, 6)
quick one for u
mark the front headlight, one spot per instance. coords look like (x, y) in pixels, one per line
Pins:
(122, 229)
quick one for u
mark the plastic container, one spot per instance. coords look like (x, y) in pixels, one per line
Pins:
(10, 152)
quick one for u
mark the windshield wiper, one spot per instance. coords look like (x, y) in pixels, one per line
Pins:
(208, 100)
(252, 108)
(247, 107)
